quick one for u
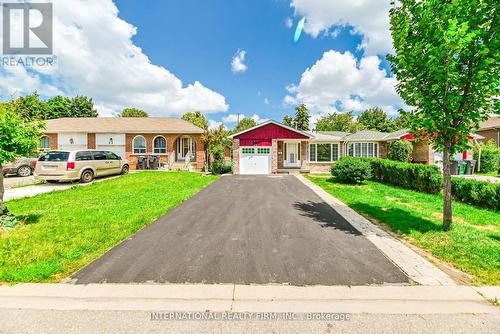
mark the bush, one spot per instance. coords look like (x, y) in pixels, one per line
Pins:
(219, 167)
(484, 194)
(425, 178)
(351, 170)
(399, 150)
(490, 157)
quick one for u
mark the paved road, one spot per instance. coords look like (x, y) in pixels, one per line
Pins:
(247, 229)
(16, 181)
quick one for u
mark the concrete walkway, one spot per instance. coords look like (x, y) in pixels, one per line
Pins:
(492, 179)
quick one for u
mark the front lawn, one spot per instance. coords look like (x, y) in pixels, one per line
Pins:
(65, 230)
(472, 245)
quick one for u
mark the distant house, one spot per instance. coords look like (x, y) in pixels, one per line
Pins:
(490, 129)
(272, 147)
(171, 140)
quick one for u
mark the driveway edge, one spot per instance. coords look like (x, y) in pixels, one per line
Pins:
(412, 264)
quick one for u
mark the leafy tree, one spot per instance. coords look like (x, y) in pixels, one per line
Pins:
(216, 142)
(447, 66)
(82, 106)
(57, 107)
(197, 118)
(133, 112)
(402, 121)
(245, 123)
(399, 150)
(301, 120)
(30, 106)
(490, 157)
(288, 120)
(338, 122)
(18, 137)
(375, 119)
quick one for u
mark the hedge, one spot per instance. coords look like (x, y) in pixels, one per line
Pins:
(424, 178)
(351, 170)
(479, 193)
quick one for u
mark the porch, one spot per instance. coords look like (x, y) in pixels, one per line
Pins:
(292, 156)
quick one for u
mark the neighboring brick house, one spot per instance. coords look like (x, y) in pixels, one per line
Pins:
(272, 147)
(170, 140)
(490, 130)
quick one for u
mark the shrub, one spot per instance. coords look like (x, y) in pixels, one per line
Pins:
(480, 193)
(351, 170)
(220, 167)
(425, 178)
(490, 157)
(399, 150)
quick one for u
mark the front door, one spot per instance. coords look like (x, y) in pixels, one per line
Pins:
(292, 158)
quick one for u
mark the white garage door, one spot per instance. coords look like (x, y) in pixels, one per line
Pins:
(255, 160)
(114, 142)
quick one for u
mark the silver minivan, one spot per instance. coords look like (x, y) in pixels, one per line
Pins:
(83, 165)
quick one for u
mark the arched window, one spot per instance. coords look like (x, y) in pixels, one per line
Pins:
(139, 145)
(159, 145)
(186, 147)
(44, 143)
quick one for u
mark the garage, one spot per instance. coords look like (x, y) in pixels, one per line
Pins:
(114, 142)
(255, 160)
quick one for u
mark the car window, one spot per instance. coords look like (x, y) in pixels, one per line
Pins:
(55, 156)
(83, 156)
(112, 156)
(99, 155)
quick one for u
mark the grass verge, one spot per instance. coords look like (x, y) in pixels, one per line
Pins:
(65, 230)
(472, 245)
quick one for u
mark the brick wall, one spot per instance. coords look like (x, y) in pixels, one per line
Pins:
(53, 140)
(274, 162)
(236, 156)
(422, 152)
(303, 155)
(491, 134)
(382, 149)
(91, 141)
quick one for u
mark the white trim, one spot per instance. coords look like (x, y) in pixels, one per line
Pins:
(153, 145)
(191, 148)
(145, 145)
(40, 141)
(270, 122)
(287, 164)
(362, 142)
(339, 151)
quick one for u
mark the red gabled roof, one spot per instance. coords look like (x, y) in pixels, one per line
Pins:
(271, 130)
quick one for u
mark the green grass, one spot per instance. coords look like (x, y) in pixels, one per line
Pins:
(65, 230)
(472, 245)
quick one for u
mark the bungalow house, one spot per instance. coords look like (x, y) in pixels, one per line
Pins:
(490, 129)
(170, 140)
(272, 147)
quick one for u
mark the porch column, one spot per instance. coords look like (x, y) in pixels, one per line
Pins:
(236, 156)
(303, 155)
(274, 168)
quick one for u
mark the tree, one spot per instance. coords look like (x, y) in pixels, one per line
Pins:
(403, 121)
(447, 66)
(82, 106)
(133, 112)
(57, 107)
(338, 122)
(245, 123)
(18, 137)
(375, 119)
(288, 120)
(197, 118)
(30, 106)
(301, 120)
(216, 141)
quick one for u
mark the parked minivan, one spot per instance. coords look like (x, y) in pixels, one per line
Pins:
(82, 165)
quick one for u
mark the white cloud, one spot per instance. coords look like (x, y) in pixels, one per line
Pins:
(237, 65)
(233, 118)
(288, 22)
(266, 101)
(258, 119)
(370, 18)
(338, 81)
(97, 58)
(214, 124)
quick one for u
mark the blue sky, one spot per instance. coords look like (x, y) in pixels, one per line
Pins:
(171, 56)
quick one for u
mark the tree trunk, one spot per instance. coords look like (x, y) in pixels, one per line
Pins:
(1, 190)
(447, 213)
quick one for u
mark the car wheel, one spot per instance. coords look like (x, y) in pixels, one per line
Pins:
(24, 171)
(125, 169)
(87, 176)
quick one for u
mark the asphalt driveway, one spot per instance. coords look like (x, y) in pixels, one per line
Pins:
(247, 229)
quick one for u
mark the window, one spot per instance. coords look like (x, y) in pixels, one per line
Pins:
(159, 145)
(99, 155)
(247, 150)
(83, 156)
(45, 143)
(263, 150)
(323, 152)
(186, 147)
(55, 156)
(112, 156)
(139, 145)
(365, 150)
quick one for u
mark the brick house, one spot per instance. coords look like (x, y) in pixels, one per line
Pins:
(170, 140)
(272, 147)
(490, 130)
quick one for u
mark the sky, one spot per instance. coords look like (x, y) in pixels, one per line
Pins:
(221, 57)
